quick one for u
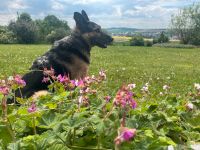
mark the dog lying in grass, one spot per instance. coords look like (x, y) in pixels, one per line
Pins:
(68, 56)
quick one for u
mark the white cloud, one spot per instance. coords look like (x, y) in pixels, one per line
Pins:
(86, 2)
(108, 13)
(117, 10)
(57, 5)
(5, 18)
(17, 4)
(151, 11)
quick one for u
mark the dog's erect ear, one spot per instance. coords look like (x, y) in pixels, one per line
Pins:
(85, 15)
(79, 19)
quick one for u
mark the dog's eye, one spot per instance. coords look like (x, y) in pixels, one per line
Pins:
(97, 30)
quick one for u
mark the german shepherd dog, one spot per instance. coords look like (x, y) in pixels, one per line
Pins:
(68, 56)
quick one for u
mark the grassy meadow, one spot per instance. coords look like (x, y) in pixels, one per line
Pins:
(83, 119)
(178, 68)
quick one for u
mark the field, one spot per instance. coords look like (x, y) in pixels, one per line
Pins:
(105, 111)
(179, 68)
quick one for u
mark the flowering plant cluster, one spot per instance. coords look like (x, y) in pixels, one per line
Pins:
(83, 114)
(12, 82)
(124, 98)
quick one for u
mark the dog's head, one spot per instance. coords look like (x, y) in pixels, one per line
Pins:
(91, 31)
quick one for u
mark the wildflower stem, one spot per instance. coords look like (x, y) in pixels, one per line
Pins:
(123, 123)
(11, 130)
(20, 93)
(109, 113)
(4, 109)
(34, 127)
(14, 99)
(116, 147)
(99, 142)
(74, 133)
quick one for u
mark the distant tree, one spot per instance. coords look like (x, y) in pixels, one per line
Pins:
(163, 38)
(56, 34)
(6, 36)
(25, 17)
(24, 28)
(155, 40)
(50, 28)
(44, 30)
(148, 43)
(186, 24)
(137, 41)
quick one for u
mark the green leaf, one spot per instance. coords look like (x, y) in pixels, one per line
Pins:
(51, 105)
(152, 108)
(48, 120)
(22, 111)
(149, 133)
(166, 140)
(14, 146)
(58, 147)
(5, 134)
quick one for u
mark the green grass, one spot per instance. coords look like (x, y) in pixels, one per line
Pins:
(179, 68)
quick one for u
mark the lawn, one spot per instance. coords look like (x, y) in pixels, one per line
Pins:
(179, 68)
(99, 113)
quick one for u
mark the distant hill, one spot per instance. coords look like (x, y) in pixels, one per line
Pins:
(134, 31)
(120, 30)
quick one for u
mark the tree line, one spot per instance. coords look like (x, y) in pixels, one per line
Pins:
(25, 30)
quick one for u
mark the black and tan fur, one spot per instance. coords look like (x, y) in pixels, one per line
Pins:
(69, 56)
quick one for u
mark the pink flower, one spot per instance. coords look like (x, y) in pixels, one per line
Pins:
(133, 104)
(197, 86)
(80, 83)
(87, 80)
(124, 98)
(124, 134)
(4, 90)
(131, 86)
(107, 98)
(102, 74)
(50, 72)
(73, 83)
(62, 79)
(166, 87)
(45, 79)
(83, 100)
(32, 108)
(189, 106)
(128, 134)
(18, 79)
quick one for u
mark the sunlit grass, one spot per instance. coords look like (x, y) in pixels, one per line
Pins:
(179, 68)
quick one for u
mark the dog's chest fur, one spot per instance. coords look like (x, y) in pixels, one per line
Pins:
(78, 68)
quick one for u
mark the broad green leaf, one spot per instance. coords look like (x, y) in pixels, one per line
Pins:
(6, 134)
(149, 133)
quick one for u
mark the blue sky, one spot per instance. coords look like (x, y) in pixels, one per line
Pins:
(107, 13)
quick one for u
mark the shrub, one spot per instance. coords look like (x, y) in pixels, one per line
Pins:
(24, 28)
(124, 43)
(155, 40)
(56, 35)
(137, 41)
(172, 45)
(148, 43)
(6, 36)
(163, 38)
